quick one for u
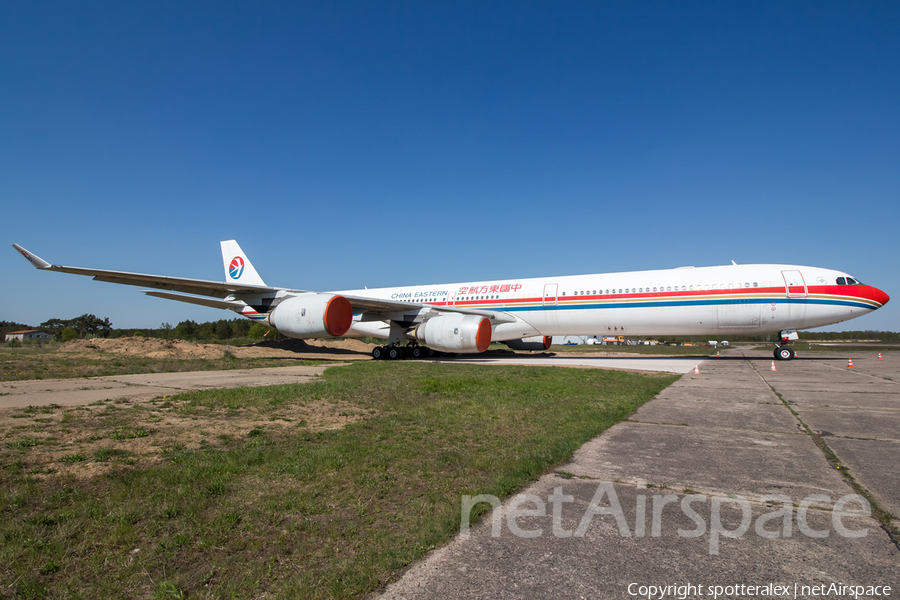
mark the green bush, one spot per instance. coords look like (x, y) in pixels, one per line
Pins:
(138, 334)
(257, 331)
(69, 333)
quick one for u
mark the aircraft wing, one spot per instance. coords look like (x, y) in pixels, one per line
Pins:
(200, 287)
(373, 308)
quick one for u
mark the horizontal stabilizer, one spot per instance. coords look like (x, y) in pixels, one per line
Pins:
(210, 302)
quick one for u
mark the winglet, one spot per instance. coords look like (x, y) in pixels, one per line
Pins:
(37, 261)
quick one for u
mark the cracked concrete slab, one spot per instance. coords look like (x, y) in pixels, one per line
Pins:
(854, 422)
(873, 463)
(604, 559)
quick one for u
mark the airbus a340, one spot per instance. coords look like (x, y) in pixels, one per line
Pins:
(525, 313)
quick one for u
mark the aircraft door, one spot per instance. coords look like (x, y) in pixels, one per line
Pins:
(794, 285)
(551, 294)
(547, 320)
(452, 299)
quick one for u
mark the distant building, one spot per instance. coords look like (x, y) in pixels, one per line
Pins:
(29, 335)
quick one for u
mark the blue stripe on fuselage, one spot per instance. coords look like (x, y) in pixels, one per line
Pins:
(662, 303)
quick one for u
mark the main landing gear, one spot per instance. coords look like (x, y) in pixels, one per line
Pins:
(392, 352)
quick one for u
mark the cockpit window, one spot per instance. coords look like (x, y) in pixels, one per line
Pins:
(847, 281)
(851, 281)
(841, 281)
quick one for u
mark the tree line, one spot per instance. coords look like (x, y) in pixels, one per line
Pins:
(91, 326)
(88, 325)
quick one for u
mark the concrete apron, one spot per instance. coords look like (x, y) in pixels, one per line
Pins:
(675, 496)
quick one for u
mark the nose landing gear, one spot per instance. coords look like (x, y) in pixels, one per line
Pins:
(783, 351)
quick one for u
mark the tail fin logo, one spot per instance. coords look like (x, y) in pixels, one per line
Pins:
(236, 268)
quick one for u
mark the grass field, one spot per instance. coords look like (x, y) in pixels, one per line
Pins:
(32, 362)
(242, 493)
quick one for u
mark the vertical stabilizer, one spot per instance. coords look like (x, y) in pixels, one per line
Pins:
(238, 268)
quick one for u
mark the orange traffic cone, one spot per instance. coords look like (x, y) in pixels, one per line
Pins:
(717, 354)
(773, 366)
(849, 363)
(879, 356)
(696, 369)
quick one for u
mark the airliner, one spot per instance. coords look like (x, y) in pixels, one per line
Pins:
(526, 313)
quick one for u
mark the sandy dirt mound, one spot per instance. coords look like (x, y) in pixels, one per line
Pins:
(346, 349)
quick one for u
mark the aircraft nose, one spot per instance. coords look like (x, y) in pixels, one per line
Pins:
(873, 293)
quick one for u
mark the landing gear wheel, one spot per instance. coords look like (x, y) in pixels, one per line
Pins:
(418, 352)
(378, 352)
(394, 353)
(784, 353)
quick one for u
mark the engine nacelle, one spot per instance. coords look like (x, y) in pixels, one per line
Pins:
(531, 343)
(455, 333)
(312, 316)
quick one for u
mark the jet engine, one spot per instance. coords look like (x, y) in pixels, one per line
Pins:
(312, 316)
(455, 333)
(531, 343)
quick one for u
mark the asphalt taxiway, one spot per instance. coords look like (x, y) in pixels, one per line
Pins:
(738, 477)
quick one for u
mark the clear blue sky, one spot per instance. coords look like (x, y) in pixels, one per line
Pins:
(384, 143)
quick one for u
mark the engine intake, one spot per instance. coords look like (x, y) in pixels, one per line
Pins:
(531, 343)
(455, 333)
(312, 316)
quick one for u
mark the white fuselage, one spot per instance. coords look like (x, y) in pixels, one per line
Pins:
(740, 299)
